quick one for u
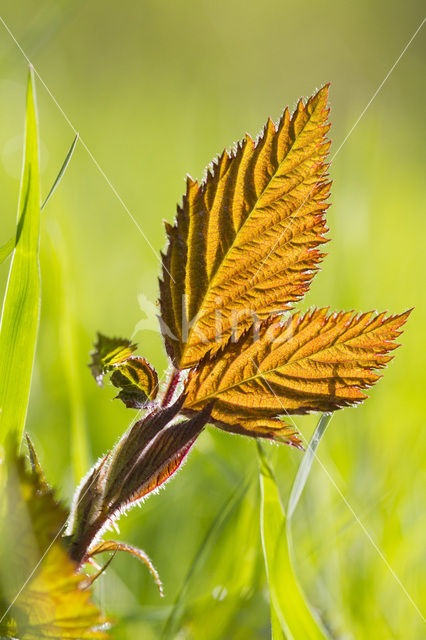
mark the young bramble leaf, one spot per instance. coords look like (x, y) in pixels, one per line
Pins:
(138, 382)
(108, 353)
(148, 455)
(160, 459)
(319, 361)
(86, 506)
(135, 377)
(245, 242)
(145, 457)
(42, 596)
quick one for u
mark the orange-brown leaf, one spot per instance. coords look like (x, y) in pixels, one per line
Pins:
(149, 467)
(245, 242)
(256, 425)
(319, 361)
(146, 456)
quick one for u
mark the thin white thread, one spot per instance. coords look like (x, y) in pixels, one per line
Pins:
(348, 505)
(145, 237)
(361, 524)
(344, 141)
(40, 561)
(380, 86)
(84, 145)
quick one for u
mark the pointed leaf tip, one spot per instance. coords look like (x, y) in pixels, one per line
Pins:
(319, 361)
(107, 353)
(245, 240)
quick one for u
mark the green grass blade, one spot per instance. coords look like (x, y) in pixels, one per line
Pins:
(21, 305)
(7, 248)
(61, 172)
(277, 632)
(291, 616)
(306, 464)
(68, 323)
(217, 524)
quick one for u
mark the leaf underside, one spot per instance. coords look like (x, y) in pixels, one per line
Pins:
(245, 241)
(318, 361)
(107, 353)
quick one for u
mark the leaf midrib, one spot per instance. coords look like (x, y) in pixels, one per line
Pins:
(265, 373)
(276, 271)
(249, 215)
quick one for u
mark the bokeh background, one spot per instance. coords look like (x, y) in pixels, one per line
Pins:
(156, 90)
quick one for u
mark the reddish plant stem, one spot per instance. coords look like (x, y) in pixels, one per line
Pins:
(171, 387)
(79, 547)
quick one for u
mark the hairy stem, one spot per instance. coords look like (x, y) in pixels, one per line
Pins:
(171, 387)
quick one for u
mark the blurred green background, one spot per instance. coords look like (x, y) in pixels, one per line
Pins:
(156, 90)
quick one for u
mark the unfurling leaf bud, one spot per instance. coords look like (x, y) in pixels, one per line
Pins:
(145, 457)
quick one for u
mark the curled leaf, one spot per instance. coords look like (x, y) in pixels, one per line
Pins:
(138, 382)
(161, 457)
(135, 377)
(318, 361)
(87, 504)
(109, 352)
(134, 445)
(145, 457)
(245, 242)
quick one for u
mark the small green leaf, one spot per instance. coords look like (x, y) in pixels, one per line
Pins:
(136, 378)
(138, 382)
(21, 305)
(107, 353)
